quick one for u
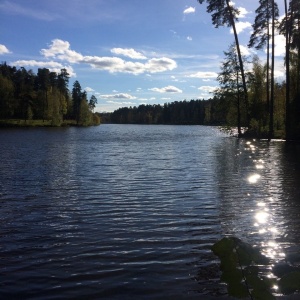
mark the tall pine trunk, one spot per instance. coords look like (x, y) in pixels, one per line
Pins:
(238, 106)
(287, 62)
(268, 65)
(271, 126)
(240, 59)
(298, 67)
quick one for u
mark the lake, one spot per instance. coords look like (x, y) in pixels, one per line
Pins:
(131, 211)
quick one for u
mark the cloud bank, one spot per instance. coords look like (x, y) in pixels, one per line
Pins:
(204, 75)
(61, 50)
(131, 53)
(167, 89)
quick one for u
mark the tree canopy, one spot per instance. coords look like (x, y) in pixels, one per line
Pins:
(44, 96)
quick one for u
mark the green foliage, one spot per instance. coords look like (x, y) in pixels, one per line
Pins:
(42, 96)
(92, 102)
(194, 112)
(7, 107)
(239, 262)
(260, 36)
(85, 115)
(222, 13)
(96, 119)
(29, 113)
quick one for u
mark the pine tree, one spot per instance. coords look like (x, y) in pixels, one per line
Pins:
(224, 14)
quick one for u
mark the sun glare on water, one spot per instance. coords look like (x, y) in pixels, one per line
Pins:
(254, 178)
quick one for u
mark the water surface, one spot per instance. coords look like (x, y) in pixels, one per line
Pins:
(129, 211)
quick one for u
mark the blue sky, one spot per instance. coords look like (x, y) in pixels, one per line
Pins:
(126, 53)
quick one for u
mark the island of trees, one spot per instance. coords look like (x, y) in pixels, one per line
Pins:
(43, 99)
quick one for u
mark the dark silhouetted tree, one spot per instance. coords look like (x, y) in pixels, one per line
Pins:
(224, 14)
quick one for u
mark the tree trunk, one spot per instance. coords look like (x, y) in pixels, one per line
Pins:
(298, 69)
(287, 62)
(240, 59)
(238, 106)
(271, 127)
(268, 65)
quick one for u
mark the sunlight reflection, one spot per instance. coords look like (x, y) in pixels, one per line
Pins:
(259, 167)
(273, 244)
(262, 217)
(273, 229)
(254, 178)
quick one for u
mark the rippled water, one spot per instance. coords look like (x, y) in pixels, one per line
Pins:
(123, 212)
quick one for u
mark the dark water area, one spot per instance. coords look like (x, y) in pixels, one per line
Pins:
(130, 211)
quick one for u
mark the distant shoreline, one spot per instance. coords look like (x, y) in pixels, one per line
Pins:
(18, 123)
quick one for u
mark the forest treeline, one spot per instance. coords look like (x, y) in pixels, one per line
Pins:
(194, 112)
(44, 96)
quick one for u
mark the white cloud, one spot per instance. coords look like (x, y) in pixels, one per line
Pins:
(156, 65)
(167, 89)
(3, 49)
(245, 50)
(128, 52)
(189, 10)
(189, 38)
(118, 96)
(203, 75)
(89, 90)
(53, 66)
(279, 45)
(173, 78)
(41, 64)
(241, 26)
(120, 103)
(61, 50)
(279, 74)
(206, 91)
(207, 88)
(113, 64)
(243, 12)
